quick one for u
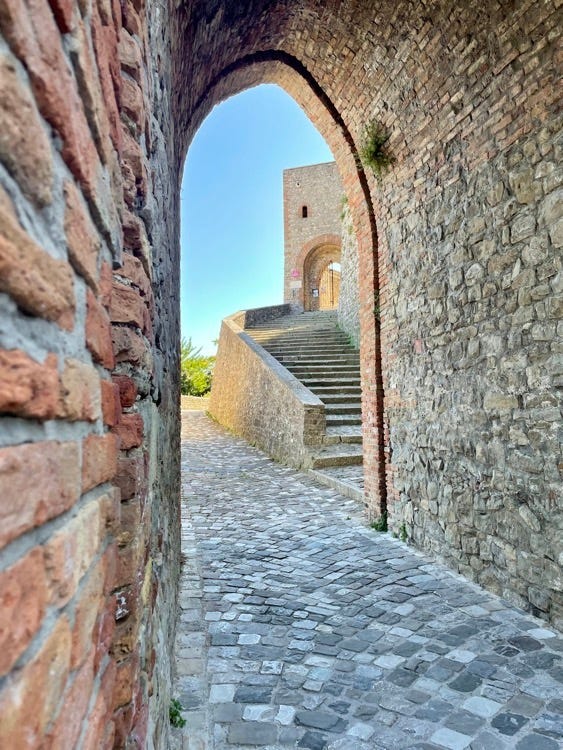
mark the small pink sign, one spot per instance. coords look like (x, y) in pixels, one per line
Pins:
(294, 273)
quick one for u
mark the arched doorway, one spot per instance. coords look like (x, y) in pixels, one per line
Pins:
(289, 72)
(321, 278)
(329, 287)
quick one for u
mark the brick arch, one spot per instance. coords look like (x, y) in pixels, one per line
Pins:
(318, 241)
(310, 247)
(315, 262)
(291, 74)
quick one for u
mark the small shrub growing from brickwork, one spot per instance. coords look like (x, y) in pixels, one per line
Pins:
(374, 151)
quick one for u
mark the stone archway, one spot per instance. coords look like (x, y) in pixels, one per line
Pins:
(315, 266)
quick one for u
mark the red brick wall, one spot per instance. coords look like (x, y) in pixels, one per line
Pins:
(80, 561)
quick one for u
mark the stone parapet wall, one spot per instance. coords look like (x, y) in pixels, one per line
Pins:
(262, 315)
(256, 397)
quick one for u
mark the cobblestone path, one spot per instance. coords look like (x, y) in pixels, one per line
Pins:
(301, 628)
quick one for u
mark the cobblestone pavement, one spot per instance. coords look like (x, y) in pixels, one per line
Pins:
(301, 628)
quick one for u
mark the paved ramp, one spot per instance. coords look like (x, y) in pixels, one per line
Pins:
(301, 628)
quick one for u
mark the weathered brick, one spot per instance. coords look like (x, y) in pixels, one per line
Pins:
(81, 237)
(130, 476)
(129, 431)
(130, 55)
(91, 91)
(79, 392)
(127, 390)
(99, 460)
(23, 596)
(98, 332)
(25, 151)
(134, 173)
(127, 306)
(70, 552)
(38, 283)
(105, 46)
(132, 21)
(126, 679)
(90, 603)
(124, 719)
(133, 270)
(132, 104)
(129, 346)
(110, 510)
(63, 12)
(31, 31)
(66, 731)
(135, 237)
(111, 406)
(30, 700)
(100, 727)
(131, 515)
(28, 388)
(106, 627)
(106, 283)
(37, 482)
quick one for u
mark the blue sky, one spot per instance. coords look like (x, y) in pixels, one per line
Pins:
(232, 206)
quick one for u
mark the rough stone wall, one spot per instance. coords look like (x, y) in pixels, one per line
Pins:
(319, 190)
(476, 449)
(85, 598)
(349, 299)
(257, 398)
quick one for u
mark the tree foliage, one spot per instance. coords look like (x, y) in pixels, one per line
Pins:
(196, 370)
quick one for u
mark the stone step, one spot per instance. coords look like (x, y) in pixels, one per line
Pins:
(322, 358)
(342, 408)
(322, 372)
(282, 335)
(319, 356)
(343, 434)
(337, 455)
(327, 363)
(336, 420)
(314, 382)
(309, 346)
(347, 480)
(320, 353)
(341, 398)
(339, 389)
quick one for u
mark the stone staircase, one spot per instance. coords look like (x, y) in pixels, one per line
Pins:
(312, 347)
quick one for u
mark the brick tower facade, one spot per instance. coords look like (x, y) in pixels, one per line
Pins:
(312, 204)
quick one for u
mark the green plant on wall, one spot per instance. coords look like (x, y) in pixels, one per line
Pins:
(175, 713)
(374, 151)
(380, 524)
(196, 370)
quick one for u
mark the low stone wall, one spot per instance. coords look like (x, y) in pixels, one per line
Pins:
(194, 403)
(262, 314)
(256, 397)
